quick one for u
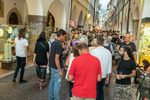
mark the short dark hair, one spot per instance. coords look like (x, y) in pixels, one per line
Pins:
(100, 40)
(82, 46)
(61, 32)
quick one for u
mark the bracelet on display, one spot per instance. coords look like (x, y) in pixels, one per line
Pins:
(33, 60)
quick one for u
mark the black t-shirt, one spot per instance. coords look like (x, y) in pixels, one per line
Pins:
(126, 67)
(131, 44)
(41, 49)
(56, 48)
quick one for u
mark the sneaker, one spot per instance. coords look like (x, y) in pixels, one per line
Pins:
(23, 81)
(13, 80)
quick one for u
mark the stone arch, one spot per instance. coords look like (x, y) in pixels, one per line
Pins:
(16, 11)
(58, 11)
(74, 14)
(35, 7)
(80, 19)
(85, 23)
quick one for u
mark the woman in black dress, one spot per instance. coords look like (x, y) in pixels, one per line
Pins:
(41, 58)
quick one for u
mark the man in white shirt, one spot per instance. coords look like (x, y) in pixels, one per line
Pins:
(105, 58)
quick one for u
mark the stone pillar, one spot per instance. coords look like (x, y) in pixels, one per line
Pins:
(135, 29)
(37, 25)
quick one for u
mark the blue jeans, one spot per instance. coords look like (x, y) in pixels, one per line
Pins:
(54, 85)
(20, 64)
(100, 89)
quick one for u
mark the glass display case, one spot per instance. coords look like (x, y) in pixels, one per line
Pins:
(8, 33)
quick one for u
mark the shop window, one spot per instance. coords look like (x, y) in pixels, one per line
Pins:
(50, 20)
(13, 19)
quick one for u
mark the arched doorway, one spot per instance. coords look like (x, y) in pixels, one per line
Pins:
(50, 20)
(58, 11)
(13, 19)
(80, 20)
(74, 14)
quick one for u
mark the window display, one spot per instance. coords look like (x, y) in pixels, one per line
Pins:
(144, 44)
(7, 37)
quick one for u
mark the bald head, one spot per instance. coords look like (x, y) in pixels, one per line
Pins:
(127, 38)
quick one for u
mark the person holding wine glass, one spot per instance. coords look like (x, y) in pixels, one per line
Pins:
(125, 69)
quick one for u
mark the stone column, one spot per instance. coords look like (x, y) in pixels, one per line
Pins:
(37, 25)
(135, 29)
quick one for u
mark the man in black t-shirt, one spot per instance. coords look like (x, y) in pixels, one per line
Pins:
(56, 65)
(124, 71)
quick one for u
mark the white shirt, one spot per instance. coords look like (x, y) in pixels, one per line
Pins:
(20, 47)
(50, 43)
(105, 58)
(70, 62)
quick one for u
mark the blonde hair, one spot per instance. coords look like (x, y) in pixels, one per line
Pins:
(76, 36)
(82, 40)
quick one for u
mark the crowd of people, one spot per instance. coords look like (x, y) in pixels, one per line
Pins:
(89, 61)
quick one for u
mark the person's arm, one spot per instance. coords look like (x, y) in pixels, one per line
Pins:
(26, 53)
(34, 56)
(135, 56)
(58, 65)
(67, 61)
(116, 74)
(99, 78)
(71, 71)
(133, 74)
(109, 71)
(148, 70)
(70, 78)
(47, 58)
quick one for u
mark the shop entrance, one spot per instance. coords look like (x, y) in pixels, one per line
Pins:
(50, 20)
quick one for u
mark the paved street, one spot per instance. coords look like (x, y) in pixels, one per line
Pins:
(31, 91)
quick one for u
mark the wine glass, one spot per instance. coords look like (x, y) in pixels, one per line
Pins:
(120, 73)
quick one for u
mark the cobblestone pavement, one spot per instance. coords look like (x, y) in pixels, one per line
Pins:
(31, 91)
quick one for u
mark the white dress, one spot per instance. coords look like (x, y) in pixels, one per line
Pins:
(70, 62)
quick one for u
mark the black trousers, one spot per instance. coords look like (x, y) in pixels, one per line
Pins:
(21, 62)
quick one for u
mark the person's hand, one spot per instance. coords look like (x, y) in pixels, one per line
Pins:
(118, 77)
(64, 52)
(60, 73)
(107, 80)
(26, 60)
(123, 76)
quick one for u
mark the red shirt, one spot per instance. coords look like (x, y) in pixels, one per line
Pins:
(85, 70)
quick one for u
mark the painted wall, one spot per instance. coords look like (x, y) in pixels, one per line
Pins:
(20, 5)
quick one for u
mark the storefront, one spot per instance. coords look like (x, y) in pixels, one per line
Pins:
(144, 43)
(8, 33)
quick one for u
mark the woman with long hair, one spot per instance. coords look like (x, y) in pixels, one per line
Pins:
(41, 58)
(146, 67)
(69, 60)
(125, 69)
(21, 45)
